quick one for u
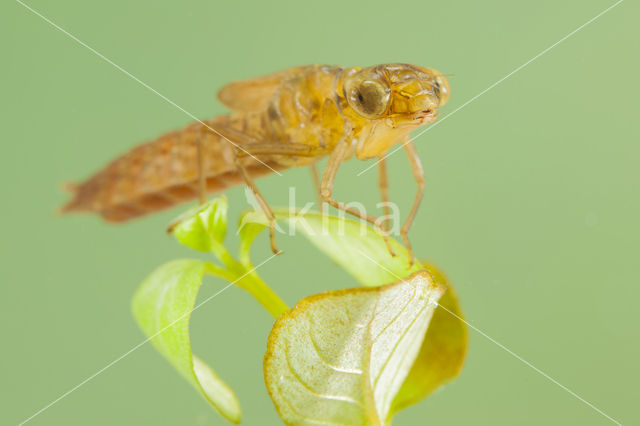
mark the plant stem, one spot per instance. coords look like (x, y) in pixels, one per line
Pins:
(263, 294)
(217, 271)
(245, 277)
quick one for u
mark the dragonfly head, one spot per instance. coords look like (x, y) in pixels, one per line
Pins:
(401, 92)
(395, 98)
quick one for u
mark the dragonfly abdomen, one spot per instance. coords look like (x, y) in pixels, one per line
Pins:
(160, 174)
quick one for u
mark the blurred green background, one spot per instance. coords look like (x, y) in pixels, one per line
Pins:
(532, 201)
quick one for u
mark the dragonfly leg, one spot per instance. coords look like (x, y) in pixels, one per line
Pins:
(246, 146)
(316, 183)
(202, 178)
(383, 185)
(326, 189)
(418, 176)
(277, 148)
(263, 204)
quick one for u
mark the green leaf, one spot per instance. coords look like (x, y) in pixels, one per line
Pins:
(204, 227)
(250, 225)
(443, 350)
(355, 246)
(341, 357)
(361, 251)
(162, 306)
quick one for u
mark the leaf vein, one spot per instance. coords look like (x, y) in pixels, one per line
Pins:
(395, 346)
(395, 318)
(313, 392)
(325, 362)
(304, 417)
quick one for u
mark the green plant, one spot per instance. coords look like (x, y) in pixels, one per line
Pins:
(354, 356)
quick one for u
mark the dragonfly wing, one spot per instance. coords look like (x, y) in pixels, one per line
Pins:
(253, 94)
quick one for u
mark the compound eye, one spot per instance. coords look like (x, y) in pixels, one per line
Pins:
(441, 89)
(368, 97)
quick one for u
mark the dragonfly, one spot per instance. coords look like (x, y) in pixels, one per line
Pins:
(290, 118)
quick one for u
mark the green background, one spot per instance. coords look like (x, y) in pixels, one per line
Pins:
(532, 200)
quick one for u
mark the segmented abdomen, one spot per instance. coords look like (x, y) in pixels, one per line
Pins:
(161, 173)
